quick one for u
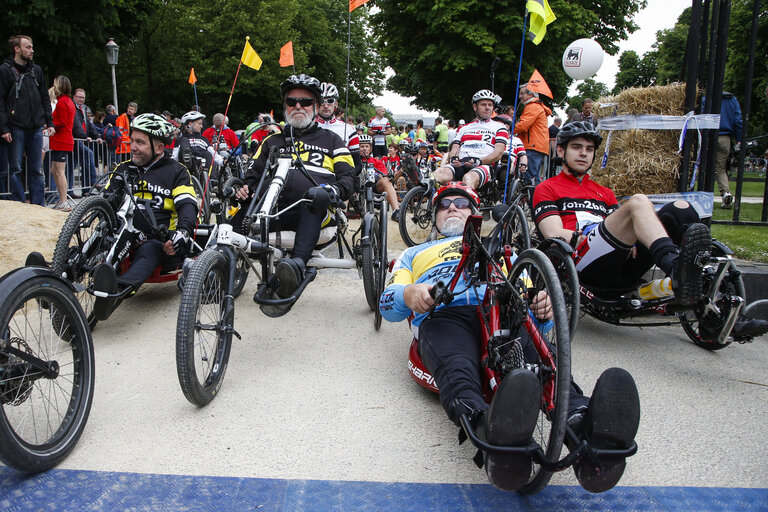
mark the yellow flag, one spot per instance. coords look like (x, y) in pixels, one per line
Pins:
(250, 58)
(541, 16)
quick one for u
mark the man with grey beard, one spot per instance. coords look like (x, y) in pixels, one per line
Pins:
(328, 163)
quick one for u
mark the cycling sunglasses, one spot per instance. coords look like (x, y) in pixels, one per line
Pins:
(329, 100)
(461, 203)
(304, 102)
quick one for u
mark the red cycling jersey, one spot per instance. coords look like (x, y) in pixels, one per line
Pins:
(577, 204)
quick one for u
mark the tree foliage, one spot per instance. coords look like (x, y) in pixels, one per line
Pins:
(161, 40)
(589, 88)
(441, 51)
(635, 71)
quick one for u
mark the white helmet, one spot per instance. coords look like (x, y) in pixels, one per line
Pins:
(329, 90)
(192, 115)
(485, 94)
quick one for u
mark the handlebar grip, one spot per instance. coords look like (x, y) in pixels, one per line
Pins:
(437, 289)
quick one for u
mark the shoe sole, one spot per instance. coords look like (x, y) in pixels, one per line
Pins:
(511, 420)
(103, 307)
(286, 274)
(611, 422)
(695, 240)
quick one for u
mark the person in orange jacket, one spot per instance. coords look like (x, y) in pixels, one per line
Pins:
(533, 131)
(123, 122)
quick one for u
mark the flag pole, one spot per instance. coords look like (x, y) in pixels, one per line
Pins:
(514, 113)
(346, 88)
(194, 87)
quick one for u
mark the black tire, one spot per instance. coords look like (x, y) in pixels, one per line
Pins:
(731, 286)
(83, 244)
(415, 220)
(203, 202)
(383, 262)
(241, 274)
(43, 417)
(533, 273)
(234, 184)
(370, 253)
(204, 329)
(515, 232)
(569, 281)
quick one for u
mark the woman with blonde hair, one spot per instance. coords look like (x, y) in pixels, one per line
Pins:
(62, 142)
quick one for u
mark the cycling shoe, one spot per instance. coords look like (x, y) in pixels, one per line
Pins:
(686, 277)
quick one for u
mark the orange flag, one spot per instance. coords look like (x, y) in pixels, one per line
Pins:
(537, 84)
(354, 4)
(192, 78)
(286, 54)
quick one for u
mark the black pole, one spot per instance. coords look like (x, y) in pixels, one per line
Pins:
(691, 70)
(746, 113)
(709, 142)
(494, 65)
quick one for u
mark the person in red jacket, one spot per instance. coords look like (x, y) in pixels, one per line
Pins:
(533, 131)
(228, 139)
(62, 142)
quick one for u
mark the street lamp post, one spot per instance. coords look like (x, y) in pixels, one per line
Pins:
(112, 51)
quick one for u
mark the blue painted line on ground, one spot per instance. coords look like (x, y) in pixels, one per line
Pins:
(74, 490)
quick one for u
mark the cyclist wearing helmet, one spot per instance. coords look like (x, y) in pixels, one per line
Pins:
(192, 140)
(449, 347)
(425, 159)
(477, 146)
(616, 245)
(328, 121)
(379, 128)
(327, 160)
(383, 184)
(174, 205)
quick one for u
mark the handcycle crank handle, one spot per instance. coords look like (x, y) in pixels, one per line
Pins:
(440, 293)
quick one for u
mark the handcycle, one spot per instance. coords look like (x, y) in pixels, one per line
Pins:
(505, 315)
(707, 323)
(205, 324)
(416, 222)
(46, 369)
(100, 229)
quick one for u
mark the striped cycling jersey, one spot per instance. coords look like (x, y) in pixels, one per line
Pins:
(377, 127)
(346, 131)
(479, 138)
(577, 203)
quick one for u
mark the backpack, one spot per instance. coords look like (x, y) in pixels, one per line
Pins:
(113, 135)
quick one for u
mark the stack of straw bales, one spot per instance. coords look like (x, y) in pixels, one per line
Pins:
(641, 161)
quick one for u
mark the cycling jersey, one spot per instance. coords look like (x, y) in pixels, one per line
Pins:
(167, 183)
(518, 150)
(377, 127)
(324, 154)
(198, 145)
(479, 138)
(228, 138)
(377, 163)
(344, 130)
(578, 204)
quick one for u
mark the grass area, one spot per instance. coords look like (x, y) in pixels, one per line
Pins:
(748, 188)
(748, 242)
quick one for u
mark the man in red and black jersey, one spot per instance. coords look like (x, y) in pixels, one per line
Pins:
(615, 245)
(382, 174)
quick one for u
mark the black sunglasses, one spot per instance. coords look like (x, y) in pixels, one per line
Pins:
(329, 100)
(304, 102)
(460, 203)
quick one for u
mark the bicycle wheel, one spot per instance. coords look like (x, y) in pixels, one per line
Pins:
(515, 232)
(46, 374)
(203, 202)
(371, 251)
(382, 264)
(242, 267)
(700, 324)
(531, 274)
(83, 244)
(415, 220)
(204, 329)
(569, 281)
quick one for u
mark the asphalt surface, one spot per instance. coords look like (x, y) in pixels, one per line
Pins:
(318, 412)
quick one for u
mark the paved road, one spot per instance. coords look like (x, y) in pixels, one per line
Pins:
(318, 412)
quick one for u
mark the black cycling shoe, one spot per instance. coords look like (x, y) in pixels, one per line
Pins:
(104, 280)
(746, 327)
(686, 276)
(611, 421)
(290, 273)
(35, 259)
(510, 421)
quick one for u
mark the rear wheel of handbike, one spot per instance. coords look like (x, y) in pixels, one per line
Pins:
(204, 329)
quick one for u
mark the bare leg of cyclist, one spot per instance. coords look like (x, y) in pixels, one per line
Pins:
(384, 185)
(444, 174)
(472, 179)
(635, 221)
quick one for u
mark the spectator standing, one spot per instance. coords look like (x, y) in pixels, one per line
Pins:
(123, 150)
(586, 113)
(420, 133)
(85, 131)
(62, 141)
(730, 126)
(25, 115)
(378, 128)
(110, 117)
(554, 129)
(533, 131)
(441, 131)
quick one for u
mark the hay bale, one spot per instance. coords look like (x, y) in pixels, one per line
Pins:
(641, 161)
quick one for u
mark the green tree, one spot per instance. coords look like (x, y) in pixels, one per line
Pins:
(635, 71)
(441, 51)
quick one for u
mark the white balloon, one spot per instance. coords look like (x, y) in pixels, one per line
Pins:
(583, 58)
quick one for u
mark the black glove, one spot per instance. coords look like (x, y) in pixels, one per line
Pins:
(320, 200)
(180, 241)
(333, 193)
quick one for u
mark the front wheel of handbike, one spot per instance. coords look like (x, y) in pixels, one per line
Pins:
(370, 250)
(532, 274)
(83, 244)
(44, 410)
(569, 281)
(204, 329)
(415, 220)
(383, 262)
